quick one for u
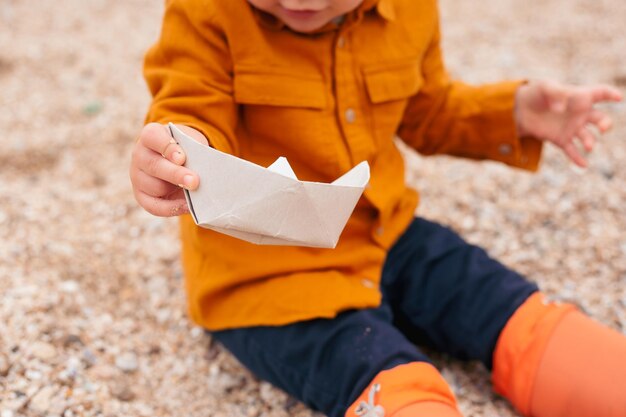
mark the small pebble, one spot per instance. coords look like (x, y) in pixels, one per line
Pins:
(122, 392)
(43, 350)
(5, 365)
(33, 375)
(89, 358)
(72, 339)
(92, 108)
(69, 286)
(42, 401)
(127, 362)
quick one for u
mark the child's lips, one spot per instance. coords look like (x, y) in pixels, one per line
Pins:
(300, 14)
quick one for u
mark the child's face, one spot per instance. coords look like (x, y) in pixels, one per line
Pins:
(306, 15)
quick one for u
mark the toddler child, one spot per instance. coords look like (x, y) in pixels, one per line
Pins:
(328, 84)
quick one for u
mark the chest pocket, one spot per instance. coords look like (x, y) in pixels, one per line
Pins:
(388, 88)
(283, 113)
(276, 87)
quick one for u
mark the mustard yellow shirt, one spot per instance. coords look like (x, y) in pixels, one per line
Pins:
(326, 101)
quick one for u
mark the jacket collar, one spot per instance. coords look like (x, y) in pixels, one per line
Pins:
(384, 8)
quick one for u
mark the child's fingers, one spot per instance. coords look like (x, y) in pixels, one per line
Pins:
(601, 120)
(155, 165)
(155, 187)
(573, 154)
(587, 138)
(157, 138)
(161, 207)
(605, 93)
(174, 153)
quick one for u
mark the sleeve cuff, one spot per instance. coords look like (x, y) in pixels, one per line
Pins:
(520, 152)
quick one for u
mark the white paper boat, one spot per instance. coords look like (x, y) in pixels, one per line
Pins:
(268, 206)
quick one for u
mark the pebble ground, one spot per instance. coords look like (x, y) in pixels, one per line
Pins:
(92, 310)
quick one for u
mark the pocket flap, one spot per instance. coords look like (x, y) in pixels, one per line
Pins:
(274, 87)
(393, 82)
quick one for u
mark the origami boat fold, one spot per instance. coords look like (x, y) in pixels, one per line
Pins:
(268, 206)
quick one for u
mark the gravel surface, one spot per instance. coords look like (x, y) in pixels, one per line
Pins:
(92, 312)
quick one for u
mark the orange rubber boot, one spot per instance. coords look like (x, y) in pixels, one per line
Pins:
(553, 361)
(410, 390)
(521, 346)
(428, 409)
(582, 373)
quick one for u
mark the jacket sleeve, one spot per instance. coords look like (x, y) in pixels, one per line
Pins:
(450, 117)
(189, 73)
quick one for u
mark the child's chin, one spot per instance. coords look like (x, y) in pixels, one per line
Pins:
(303, 26)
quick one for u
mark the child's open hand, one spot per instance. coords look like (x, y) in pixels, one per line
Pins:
(156, 171)
(563, 114)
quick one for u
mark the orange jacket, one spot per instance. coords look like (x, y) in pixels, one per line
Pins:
(326, 101)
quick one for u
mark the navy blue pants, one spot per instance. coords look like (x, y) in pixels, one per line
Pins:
(438, 291)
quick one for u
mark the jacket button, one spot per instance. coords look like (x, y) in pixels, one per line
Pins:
(350, 115)
(380, 230)
(367, 283)
(505, 149)
(341, 41)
